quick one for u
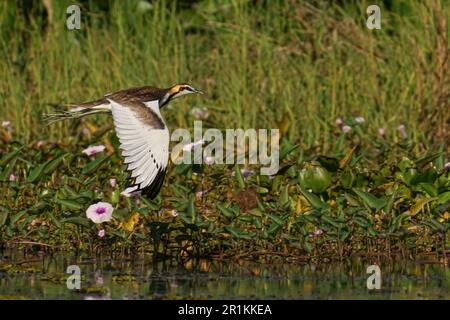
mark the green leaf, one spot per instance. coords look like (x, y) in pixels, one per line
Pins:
(36, 173)
(273, 228)
(330, 220)
(90, 167)
(16, 217)
(430, 189)
(9, 156)
(54, 164)
(390, 202)
(284, 196)
(420, 203)
(278, 220)
(370, 199)
(287, 150)
(228, 213)
(3, 217)
(444, 197)
(314, 200)
(238, 233)
(434, 225)
(77, 220)
(71, 204)
(352, 200)
(55, 221)
(239, 177)
(362, 222)
(339, 144)
(424, 160)
(8, 170)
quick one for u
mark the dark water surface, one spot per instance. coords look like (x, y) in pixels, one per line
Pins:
(46, 278)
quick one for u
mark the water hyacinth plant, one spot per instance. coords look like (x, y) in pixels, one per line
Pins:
(346, 186)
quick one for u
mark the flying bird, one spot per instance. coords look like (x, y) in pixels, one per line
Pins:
(142, 131)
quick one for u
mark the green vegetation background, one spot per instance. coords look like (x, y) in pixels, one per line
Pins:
(293, 65)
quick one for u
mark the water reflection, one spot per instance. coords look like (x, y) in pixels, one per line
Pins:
(105, 278)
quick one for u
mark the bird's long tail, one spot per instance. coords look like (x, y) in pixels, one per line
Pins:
(76, 112)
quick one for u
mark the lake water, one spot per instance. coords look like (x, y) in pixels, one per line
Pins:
(46, 278)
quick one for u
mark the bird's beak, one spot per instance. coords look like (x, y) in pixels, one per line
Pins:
(199, 91)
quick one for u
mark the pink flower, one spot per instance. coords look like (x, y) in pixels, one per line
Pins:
(193, 145)
(94, 150)
(200, 113)
(209, 160)
(381, 131)
(137, 199)
(40, 143)
(360, 120)
(316, 233)
(346, 129)
(402, 129)
(86, 132)
(101, 233)
(113, 182)
(12, 177)
(338, 122)
(99, 279)
(174, 213)
(173, 285)
(200, 194)
(447, 166)
(100, 212)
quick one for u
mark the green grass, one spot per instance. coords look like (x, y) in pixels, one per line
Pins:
(279, 64)
(258, 63)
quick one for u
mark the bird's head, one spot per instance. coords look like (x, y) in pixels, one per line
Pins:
(179, 90)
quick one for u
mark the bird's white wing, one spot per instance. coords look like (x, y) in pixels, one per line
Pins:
(144, 140)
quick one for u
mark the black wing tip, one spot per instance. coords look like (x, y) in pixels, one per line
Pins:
(153, 189)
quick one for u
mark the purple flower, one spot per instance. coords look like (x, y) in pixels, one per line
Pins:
(381, 131)
(101, 233)
(338, 122)
(447, 166)
(245, 173)
(12, 177)
(113, 182)
(402, 129)
(100, 212)
(94, 150)
(360, 120)
(346, 129)
(174, 213)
